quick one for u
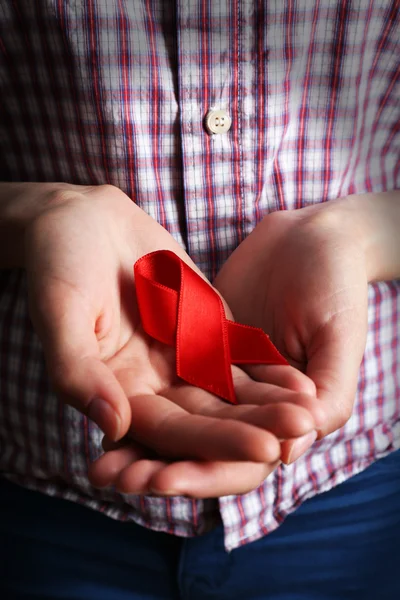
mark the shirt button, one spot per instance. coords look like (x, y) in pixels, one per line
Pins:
(217, 121)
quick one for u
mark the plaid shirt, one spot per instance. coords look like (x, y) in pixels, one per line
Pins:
(116, 91)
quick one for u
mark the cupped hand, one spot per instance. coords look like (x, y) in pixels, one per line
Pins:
(301, 276)
(80, 252)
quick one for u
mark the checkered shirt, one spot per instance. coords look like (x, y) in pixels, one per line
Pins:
(115, 91)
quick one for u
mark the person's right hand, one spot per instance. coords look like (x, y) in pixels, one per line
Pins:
(79, 254)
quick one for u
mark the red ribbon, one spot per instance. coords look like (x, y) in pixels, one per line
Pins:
(179, 308)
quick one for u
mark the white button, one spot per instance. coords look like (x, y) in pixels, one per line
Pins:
(217, 121)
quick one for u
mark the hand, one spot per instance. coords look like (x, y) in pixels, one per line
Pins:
(80, 251)
(302, 277)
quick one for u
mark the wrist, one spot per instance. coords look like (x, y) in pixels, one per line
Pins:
(376, 224)
(23, 204)
(20, 205)
(369, 224)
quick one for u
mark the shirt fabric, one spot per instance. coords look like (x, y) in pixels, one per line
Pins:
(116, 91)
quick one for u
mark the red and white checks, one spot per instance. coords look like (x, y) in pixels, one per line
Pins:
(116, 91)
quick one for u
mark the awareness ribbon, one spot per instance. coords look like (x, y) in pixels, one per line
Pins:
(179, 308)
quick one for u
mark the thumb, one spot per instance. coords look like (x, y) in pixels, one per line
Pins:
(333, 365)
(79, 376)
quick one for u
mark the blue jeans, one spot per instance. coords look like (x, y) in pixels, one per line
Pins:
(341, 544)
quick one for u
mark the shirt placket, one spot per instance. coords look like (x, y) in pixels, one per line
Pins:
(208, 37)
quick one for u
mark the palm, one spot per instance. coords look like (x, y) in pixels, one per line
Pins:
(312, 300)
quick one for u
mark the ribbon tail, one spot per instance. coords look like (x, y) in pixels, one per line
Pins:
(251, 345)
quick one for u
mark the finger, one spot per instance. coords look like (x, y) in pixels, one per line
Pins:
(106, 469)
(248, 392)
(136, 478)
(283, 418)
(169, 430)
(79, 376)
(291, 450)
(283, 376)
(334, 362)
(256, 393)
(135, 475)
(209, 479)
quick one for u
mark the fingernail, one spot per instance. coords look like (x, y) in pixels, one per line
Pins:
(103, 415)
(301, 446)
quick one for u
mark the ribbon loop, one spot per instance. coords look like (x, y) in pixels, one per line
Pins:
(179, 308)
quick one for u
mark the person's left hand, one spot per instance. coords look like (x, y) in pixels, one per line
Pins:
(301, 276)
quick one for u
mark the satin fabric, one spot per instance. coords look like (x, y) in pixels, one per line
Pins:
(179, 308)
